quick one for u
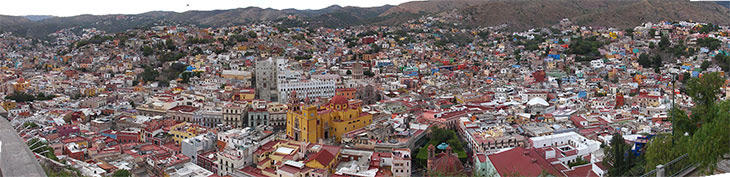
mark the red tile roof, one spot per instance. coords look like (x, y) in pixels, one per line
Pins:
(584, 170)
(448, 164)
(289, 169)
(252, 171)
(323, 157)
(482, 158)
(523, 161)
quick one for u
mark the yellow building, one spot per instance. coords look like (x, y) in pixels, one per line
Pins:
(243, 94)
(312, 123)
(184, 131)
(8, 105)
(21, 85)
(90, 91)
(326, 157)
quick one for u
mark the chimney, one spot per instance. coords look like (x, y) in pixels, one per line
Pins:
(533, 160)
(525, 152)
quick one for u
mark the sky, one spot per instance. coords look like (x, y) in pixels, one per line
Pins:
(102, 7)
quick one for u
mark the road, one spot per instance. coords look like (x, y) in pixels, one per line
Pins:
(15, 157)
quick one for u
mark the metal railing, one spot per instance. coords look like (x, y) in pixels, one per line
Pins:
(672, 168)
(650, 173)
(678, 165)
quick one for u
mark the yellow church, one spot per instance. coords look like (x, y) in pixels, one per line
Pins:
(310, 123)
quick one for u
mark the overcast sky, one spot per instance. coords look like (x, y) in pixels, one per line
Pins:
(101, 7)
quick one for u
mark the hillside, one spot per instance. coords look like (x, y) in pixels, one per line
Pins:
(518, 14)
(526, 14)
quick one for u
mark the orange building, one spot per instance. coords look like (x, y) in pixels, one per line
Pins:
(348, 93)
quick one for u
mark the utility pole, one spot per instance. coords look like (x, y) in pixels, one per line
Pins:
(674, 82)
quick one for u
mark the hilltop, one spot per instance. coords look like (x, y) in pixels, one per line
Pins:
(518, 14)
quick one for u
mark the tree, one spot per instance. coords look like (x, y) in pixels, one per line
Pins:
(578, 161)
(349, 72)
(170, 56)
(147, 51)
(644, 60)
(657, 61)
(252, 34)
(585, 46)
(661, 150)
(704, 90)
(703, 135)
(131, 103)
(368, 73)
(710, 142)
(30, 125)
(710, 43)
(20, 97)
(705, 65)
(121, 173)
(708, 28)
(629, 32)
(664, 42)
(170, 45)
(618, 156)
(149, 74)
(651, 45)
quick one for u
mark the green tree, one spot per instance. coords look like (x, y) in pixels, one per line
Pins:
(705, 65)
(368, 73)
(149, 74)
(349, 72)
(170, 44)
(710, 43)
(661, 149)
(723, 61)
(703, 135)
(664, 42)
(657, 61)
(708, 28)
(121, 173)
(644, 60)
(578, 161)
(147, 51)
(20, 97)
(704, 90)
(629, 32)
(618, 156)
(585, 46)
(30, 125)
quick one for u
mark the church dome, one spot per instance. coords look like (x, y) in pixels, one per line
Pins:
(338, 102)
(338, 99)
(448, 163)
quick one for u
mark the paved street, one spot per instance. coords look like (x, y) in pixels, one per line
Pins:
(15, 157)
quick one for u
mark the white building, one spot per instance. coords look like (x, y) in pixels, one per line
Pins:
(401, 162)
(240, 146)
(566, 147)
(307, 88)
(192, 146)
(188, 170)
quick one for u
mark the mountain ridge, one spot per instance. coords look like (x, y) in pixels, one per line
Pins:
(518, 14)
